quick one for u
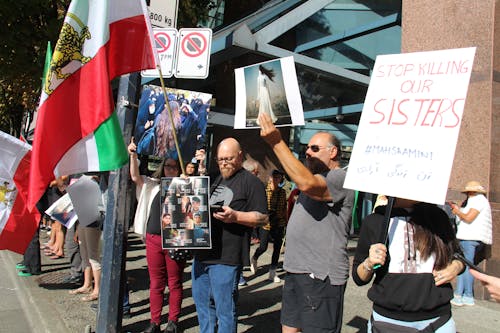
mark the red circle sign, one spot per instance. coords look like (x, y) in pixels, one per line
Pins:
(162, 41)
(194, 44)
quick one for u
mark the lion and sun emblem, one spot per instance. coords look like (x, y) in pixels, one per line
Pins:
(68, 48)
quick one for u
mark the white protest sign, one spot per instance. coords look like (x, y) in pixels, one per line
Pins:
(409, 127)
(268, 87)
(87, 200)
(193, 53)
(165, 43)
(163, 13)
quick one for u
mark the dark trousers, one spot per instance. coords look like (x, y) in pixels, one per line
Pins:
(32, 259)
(277, 234)
(73, 253)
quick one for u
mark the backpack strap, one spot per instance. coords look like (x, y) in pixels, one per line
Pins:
(433, 327)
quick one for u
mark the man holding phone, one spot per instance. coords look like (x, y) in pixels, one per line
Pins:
(215, 272)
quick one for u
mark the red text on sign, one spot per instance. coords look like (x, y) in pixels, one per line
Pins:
(425, 112)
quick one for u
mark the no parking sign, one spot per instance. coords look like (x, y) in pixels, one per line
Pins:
(193, 53)
(165, 42)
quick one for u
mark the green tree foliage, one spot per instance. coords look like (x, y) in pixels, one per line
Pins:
(193, 11)
(27, 26)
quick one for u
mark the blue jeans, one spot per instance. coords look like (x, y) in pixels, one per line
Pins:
(214, 288)
(465, 281)
(448, 327)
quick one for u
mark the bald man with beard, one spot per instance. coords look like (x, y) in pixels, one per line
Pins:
(215, 272)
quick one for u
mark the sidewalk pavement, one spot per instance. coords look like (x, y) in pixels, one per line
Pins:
(42, 304)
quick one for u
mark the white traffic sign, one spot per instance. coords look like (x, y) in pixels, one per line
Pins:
(165, 43)
(163, 13)
(193, 53)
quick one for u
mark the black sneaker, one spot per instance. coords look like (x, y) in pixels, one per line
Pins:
(126, 314)
(152, 328)
(171, 327)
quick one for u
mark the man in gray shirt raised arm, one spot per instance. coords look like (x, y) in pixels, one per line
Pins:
(316, 258)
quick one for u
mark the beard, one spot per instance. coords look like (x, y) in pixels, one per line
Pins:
(316, 166)
(227, 172)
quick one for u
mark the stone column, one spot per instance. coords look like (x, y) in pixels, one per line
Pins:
(446, 24)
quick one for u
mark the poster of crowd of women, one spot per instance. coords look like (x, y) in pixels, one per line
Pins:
(153, 131)
(185, 216)
(269, 87)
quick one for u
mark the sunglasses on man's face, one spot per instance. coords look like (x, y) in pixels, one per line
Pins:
(316, 148)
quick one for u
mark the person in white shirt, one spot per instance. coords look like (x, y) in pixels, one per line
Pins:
(474, 230)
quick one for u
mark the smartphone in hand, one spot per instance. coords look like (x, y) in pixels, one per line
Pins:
(467, 262)
(216, 208)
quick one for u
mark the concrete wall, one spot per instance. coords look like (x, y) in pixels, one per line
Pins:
(433, 25)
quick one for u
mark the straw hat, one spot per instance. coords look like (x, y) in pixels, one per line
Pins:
(474, 186)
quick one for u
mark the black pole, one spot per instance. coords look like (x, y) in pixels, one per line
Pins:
(384, 232)
(115, 231)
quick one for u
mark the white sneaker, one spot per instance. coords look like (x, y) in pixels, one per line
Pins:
(273, 277)
(457, 301)
(253, 265)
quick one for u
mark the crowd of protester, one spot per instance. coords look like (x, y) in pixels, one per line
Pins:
(306, 204)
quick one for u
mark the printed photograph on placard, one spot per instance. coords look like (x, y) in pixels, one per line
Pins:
(269, 87)
(185, 218)
(153, 133)
(62, 210)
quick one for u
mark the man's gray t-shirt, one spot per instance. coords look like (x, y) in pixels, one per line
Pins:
(316, 236)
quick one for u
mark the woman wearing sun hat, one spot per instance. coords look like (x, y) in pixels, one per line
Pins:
(474, 231)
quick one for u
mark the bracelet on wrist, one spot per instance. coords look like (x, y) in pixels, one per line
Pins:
(366, 267)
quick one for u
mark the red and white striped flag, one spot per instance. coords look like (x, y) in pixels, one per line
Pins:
(17, 223)
(77, 129)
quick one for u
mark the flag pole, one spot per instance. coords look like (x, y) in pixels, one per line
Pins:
(169, 109)
(28, 119)
(384, 232)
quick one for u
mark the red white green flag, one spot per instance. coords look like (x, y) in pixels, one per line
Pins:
(77, 129)
(17, 223)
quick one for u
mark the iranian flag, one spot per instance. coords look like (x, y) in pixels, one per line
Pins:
(17, 223)
(77, 129)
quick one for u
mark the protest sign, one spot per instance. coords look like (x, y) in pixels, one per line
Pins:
(268, 87)
(409, 127)
(185, 215)
(62, 211)
(153, 131)
(87, 200)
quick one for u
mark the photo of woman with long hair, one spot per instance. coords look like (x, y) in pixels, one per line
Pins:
(165, 144)
(263, 96)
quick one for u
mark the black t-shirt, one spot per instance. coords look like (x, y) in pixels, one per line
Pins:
(230, 241)
(154, 220)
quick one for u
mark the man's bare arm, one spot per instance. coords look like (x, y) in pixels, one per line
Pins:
(249, 219)
(312, 185)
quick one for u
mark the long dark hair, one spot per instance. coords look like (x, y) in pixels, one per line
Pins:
(268, 72)
(434, 234)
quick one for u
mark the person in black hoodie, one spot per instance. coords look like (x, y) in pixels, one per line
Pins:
(412, 287)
